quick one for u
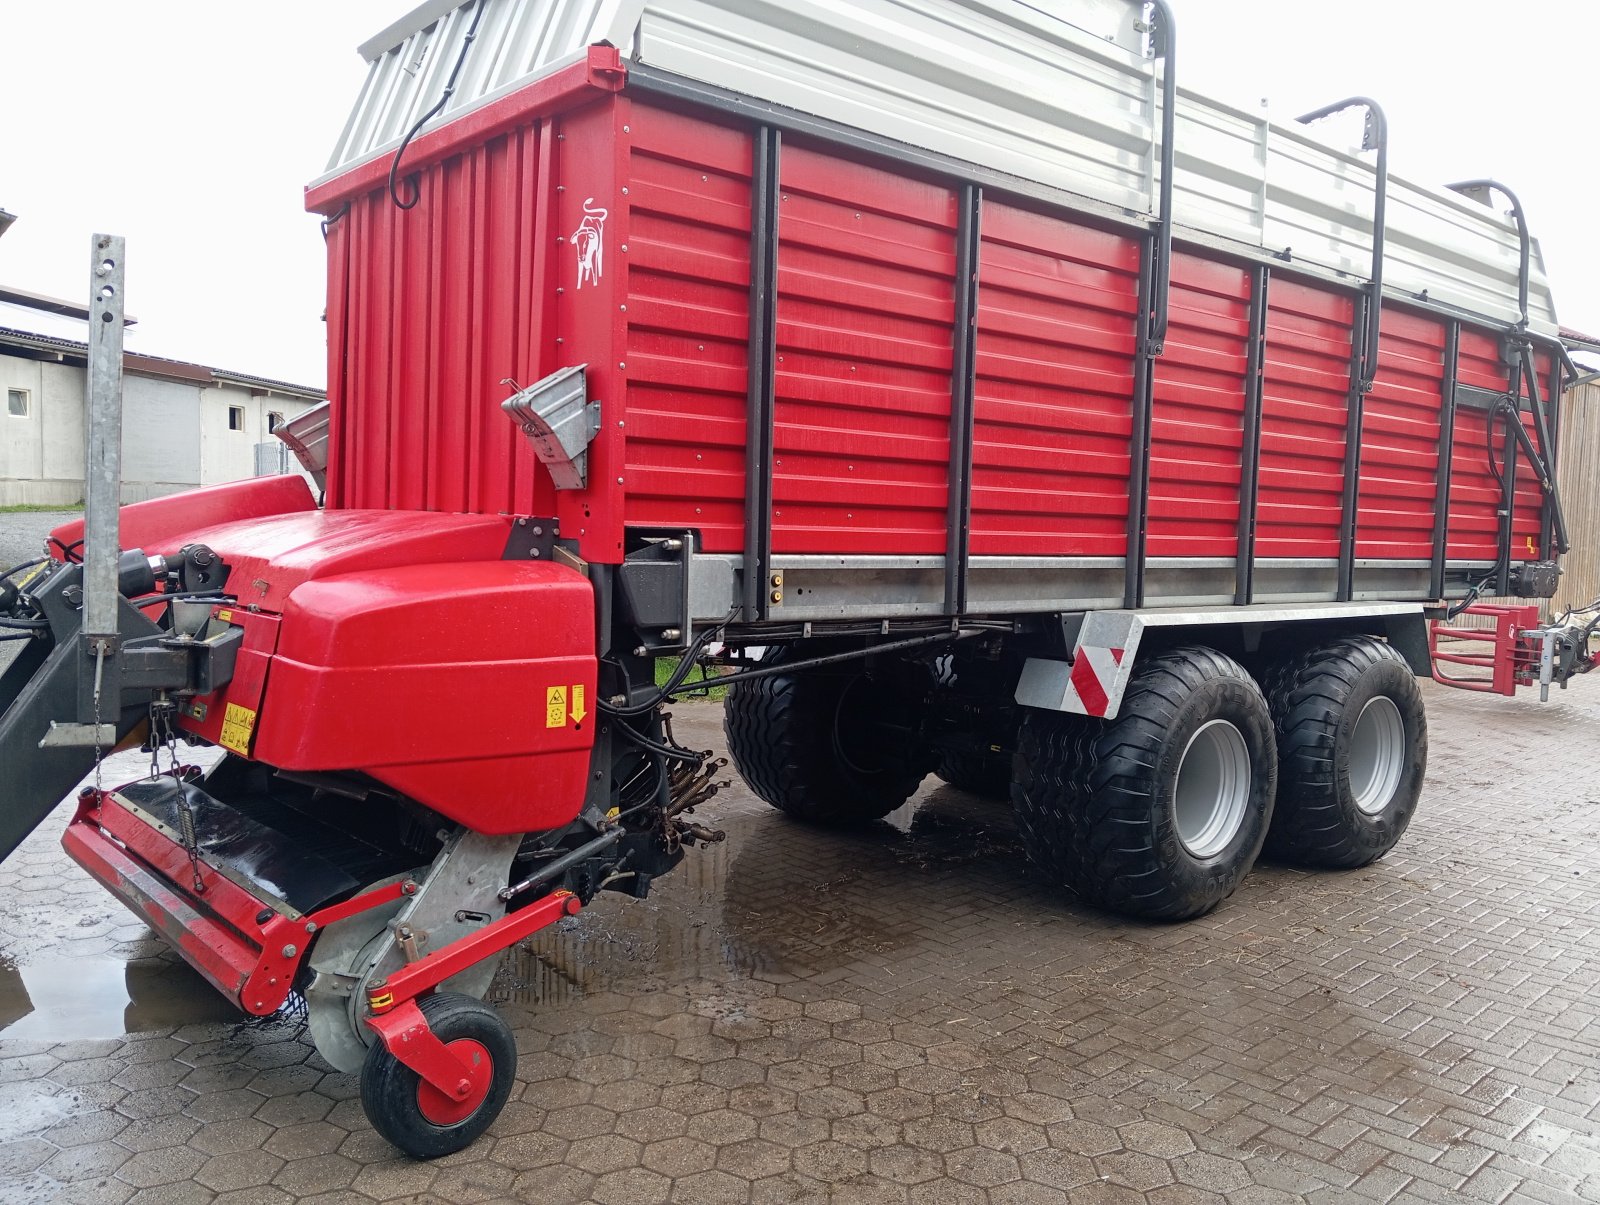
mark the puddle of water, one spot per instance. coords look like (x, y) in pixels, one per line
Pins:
(71, 999)
(23, 1115)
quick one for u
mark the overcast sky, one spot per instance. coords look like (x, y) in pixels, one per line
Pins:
(192, 128)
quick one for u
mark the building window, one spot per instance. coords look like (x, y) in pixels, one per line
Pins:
(236, 418)
(17, 403)
(274, 421)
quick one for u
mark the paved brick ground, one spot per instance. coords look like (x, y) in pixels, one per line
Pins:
(907, 1016)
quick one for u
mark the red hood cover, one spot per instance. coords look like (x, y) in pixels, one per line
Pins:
(269, 557)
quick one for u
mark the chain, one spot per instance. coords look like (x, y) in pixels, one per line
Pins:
(163, 735)
(99, 750)
(155, 741)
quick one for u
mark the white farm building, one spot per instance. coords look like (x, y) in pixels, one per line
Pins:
(184, 424)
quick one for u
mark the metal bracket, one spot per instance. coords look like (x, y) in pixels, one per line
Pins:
(560, 420)
(532, 539)
(306, 435)
(653, 588)
(79, 736)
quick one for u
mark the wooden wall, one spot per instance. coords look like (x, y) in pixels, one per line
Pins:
(1578, 473)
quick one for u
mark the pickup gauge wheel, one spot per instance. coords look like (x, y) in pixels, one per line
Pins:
(1160, 812)
(1352, 752)
(837, 745)
(418, 1118)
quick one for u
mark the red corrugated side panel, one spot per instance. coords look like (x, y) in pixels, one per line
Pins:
(1474, 495)
(1198, 422)
(688, 325)
(1528, 510)
(1303, 408)
(1474, 530)
(1052, 409)
(866, 303)
(430, 309)
(1400, 441)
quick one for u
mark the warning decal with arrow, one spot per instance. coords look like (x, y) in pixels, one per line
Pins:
(562, 703)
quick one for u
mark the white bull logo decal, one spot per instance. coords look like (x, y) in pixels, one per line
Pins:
(589, 241)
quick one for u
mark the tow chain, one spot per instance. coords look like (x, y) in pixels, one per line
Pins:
(164, 736)
(99, 749)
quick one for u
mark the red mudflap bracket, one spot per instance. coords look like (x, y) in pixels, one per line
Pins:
(248, 949)
(399, 1022)
(1503, 655)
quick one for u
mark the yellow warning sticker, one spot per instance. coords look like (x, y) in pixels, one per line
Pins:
(225, 616)
(555, 707)
(577, 704)
(238, 724)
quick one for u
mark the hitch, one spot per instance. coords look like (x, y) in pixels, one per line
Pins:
(1513, 650)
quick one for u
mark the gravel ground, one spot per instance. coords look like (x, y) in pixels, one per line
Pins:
(22, 535)
(21, 539)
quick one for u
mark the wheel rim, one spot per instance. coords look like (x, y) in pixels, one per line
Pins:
(1377, 754)
(444, 1110)
(1212, 793)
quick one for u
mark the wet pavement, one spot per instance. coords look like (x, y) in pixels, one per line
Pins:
(906, 1015)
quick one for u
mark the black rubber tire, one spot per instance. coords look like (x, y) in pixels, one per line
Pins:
(1316, 698)
(794, 739)
(1094, 798)
(986, 777)
(389, 1087)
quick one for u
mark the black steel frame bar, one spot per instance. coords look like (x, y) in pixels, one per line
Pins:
(1547, 521)
(1143, 403)
(1447, 440)
(1250, 445)
(963, 383)
(759, 400)
(1508, 492)
(1355, 412)
(1542, 458)
(1158, 300)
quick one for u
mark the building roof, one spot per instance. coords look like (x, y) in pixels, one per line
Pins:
(38, 326)
(1578, 341)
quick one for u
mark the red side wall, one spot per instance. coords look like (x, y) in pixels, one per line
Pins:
(1197, 426)
(1528, 523)
(1474, 496)
(866, 301)
(1400, 441)
(430, 311)
(688, 326)
(1053, 403)
(440, 303)
(1304, 398)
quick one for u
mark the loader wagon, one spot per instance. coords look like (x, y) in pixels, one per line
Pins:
(975, 398)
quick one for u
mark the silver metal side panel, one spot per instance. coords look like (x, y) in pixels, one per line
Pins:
(998, 83)
(518, 40)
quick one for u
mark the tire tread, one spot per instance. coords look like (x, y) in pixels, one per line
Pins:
(1306, 693)
(1083, 787)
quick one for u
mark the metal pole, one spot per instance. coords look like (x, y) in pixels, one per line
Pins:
(102, 479)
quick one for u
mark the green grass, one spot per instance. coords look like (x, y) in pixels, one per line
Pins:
(666, 666)
(30, 508)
